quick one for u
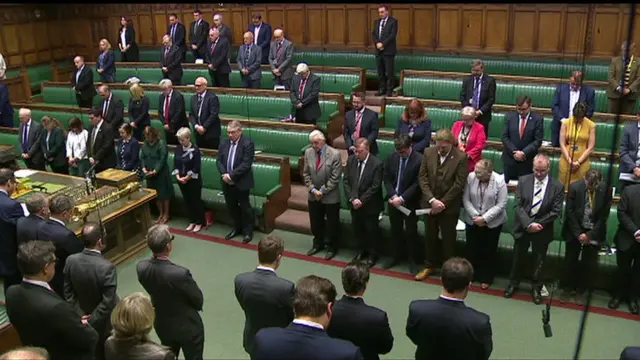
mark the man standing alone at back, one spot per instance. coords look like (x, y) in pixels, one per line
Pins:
(265, 298)
(385, 31)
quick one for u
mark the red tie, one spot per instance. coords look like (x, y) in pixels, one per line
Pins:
(303, 82)
(523, 125)
(213, 46)
(318, 160)
(358, 123)
(166, 109)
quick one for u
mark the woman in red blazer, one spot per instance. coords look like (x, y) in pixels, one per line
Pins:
(470, 135)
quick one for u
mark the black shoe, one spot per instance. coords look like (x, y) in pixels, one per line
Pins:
(232, 234)
(371, 262)
(614, 303)
(247, 239)
(331, 253)
(389, 264)
(536, 295)
(362, 256)
(508, 293)
(633, 307)
(314, 250)
(389, 94)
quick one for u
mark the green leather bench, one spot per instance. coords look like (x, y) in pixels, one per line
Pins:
(153, 55)
(506, 93)
(267, 183)
(231, 106)
(38, 74)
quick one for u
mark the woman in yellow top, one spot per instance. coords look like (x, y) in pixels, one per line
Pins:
(577, 140)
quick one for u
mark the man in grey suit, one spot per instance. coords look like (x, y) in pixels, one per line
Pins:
(538, 204)
(248, 60)
(321, 173)
(29, 135)
(630, 155)
(265, 298)
(280, 58)
(90, 283)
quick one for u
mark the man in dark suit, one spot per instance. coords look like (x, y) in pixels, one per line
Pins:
(178, 34)
(218, 59)
(401, 172)
(235, 159)
(41, 317)
(281, 58)
(567, 96)
(171, 61)
(82, 82)
(172, 111)
(322, 174)
(198, 32)
(629, 159)
(479, 91)
(446, 328)
(442, 178)
(27, 227)
(6, 110)
(224, 29)
(624, 81)
(538, 204)
(265, 298)
(90, 283)
(630, 353)
(261, 35)
(361, 122)
(365, 326)
(176, 297)
(10, 212)
(100, 149)
(363, 188)
(204, 117)
(305, 95)
(112, 107)
(385, 32)
(627, 241)
(584, 230)
(521, 137)
(65, 240)
(306, 338)
(248, 61)
(29, 135)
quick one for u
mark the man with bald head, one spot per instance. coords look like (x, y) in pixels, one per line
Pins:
(567, 96)
(82, 82)
(112, 107)
(171, 61)
(204, 116)
(218, 59)
(26, 353)
(305, 95)
(249, 58)
(281, 58)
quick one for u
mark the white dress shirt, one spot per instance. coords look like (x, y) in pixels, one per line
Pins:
(308, 323)
(256, 31)
(77, 145)
(123, 37)
(58, 221)
(37, 282)
(574, 96)
(3, 67)
(266, 268)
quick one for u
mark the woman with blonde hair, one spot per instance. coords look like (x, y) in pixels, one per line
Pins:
(53, 145)
(139, 117)
(187, 170)
(416, 124)
(470, 135)
(577, 141)
(132, 321)
(106, 62)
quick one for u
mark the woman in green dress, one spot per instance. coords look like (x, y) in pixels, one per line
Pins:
(154, 166)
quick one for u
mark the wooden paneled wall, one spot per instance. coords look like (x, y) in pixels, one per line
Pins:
(564, 31)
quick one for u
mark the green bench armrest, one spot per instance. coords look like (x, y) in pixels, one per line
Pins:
(398, 90)
(304, 148)
(334, 114)
(355, 87)
(273, 190)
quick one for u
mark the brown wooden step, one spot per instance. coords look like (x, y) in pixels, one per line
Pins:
(294, 220)
(299, 197)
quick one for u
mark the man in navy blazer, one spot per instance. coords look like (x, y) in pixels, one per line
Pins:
(446, 328)
(178, 34)
(361, 122)
(248, 61)
(629, 160)
(479, 90)
(10, 212)
(235, 159)
(261, 35)
(522, 137)
(306, 338)
(630, 353)
(567, 96)
(6, 110)
(27, 227)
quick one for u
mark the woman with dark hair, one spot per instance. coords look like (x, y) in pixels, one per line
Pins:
(127, 41)
(53, 146)
(577, 141)
(156, 171)
(416, 124)
(128, 154)
(77, 148)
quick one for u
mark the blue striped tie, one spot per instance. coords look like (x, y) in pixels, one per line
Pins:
(537, 199)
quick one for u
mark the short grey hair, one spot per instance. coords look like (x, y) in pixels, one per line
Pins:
(317, 134)
(477, 62)
(485, 164)
(36, 203)
(468, 111)
(184, 132)
(217, 16)
(165, 83)
(158, 237)
(24, 111)
(27, 352)
(544, 157)
(61, 203)
(302, 68)
(235, 124)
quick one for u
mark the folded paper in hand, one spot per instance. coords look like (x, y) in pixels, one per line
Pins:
(423, 211)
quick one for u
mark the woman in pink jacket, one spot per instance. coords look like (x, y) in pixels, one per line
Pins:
(470, 136)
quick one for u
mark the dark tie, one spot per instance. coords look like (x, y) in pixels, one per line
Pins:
(106, 109)
(403, 163)
(278, 51)
(318, 159)
(166, 52)
(200, 99)
(213, 46)
(476, 87)
(359, 170)
(383, 23)
(303, 82)
(246, 60)
(173, 32)
(167, 101)
(25, 139)
(231, 155)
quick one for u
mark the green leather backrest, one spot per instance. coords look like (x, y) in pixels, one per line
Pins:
(275, 141)
(385, 148)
